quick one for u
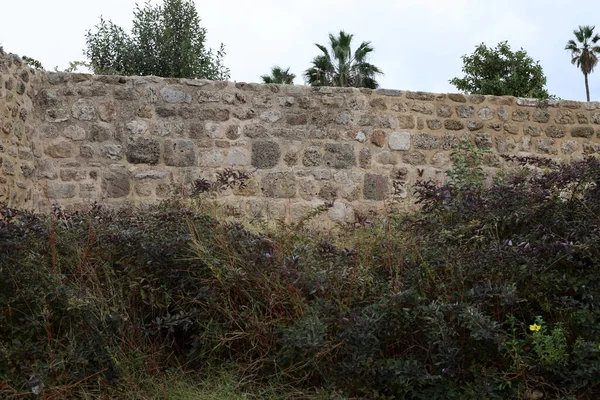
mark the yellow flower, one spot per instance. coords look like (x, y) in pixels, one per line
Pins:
(535, 327)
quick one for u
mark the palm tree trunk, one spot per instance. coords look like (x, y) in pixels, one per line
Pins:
(587, 87)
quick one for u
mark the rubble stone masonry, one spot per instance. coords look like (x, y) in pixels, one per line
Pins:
(73, 139)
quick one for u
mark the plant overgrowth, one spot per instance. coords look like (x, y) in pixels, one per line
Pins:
(487, 292)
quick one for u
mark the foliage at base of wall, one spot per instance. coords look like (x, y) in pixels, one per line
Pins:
(486, 293)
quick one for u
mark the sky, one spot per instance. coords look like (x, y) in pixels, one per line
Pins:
(418, 43)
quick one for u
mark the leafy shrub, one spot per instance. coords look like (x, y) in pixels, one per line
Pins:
(485, 293)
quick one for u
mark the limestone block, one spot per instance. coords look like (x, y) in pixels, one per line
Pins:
(375, 187)
(279, 185)
(339, 155)
(56, 190)
(265, 154)
(143, 150)
(399, 141)
(179, 153)
(116, 184)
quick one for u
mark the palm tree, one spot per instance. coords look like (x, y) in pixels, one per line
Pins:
(345, 68)
(586, 56)
(279, 75)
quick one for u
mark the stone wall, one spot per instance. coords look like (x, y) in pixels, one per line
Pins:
(118, 139)
(17, 126)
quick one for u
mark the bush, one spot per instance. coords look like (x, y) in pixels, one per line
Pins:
(486, 293)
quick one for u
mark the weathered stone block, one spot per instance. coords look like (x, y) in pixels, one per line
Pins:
(57, 115)
(449, 141)
(526, 102)
(387, 158)
(69, 175)
(582, 118)
(297, 119)
(61, 149)
(279, 185)
(211, 158)
(84, 110)
(486, 113)
(389, 92)
(414, 158)
(546, 146)
(399, 141)
(423, 108)
(339, 155)
(116, 184)
(137, 127)
(513, 129)
(86, 151)
(454, 125)
(291, 157)
(112, 151)
(505, 144)
(533, 131)
(426, 141)
(265, 154)
(465, 111)
(502, 113)
(216, 114)
(444, 111)
(237, 157)
(554, 131)
(74, 132)
(375, 187)
(569, 147)
(520, 115)
(483, 141)
(541, 115)
(255, 131)
(270, 116)
(474, 125)
(406, 122)
(582, 131)
(457, 97)
(328, 192)
(99, 133)
(57, 190)
(107, 111)
(476, 98)
(434, 124)
(173, 95)
(564, 117)
(312, 157)
(179, 153)
(364, 158)
(143, 151)
(150, 174)
(378, 138)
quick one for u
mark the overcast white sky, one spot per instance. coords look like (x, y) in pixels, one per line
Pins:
(418, 43)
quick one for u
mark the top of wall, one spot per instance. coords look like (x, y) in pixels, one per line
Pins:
(55, 78)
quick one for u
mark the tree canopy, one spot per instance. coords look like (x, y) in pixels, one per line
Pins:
(339, 66)
(280, 76)
(166, 40)
(584, 52)
(500, 71)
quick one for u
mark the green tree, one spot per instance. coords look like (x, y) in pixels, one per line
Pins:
(338, 66)
(279, 75)
(166, 40)
(501, 72)
(586, 56)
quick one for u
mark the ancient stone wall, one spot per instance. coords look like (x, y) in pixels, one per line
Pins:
(17, 126)
(140, 139)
